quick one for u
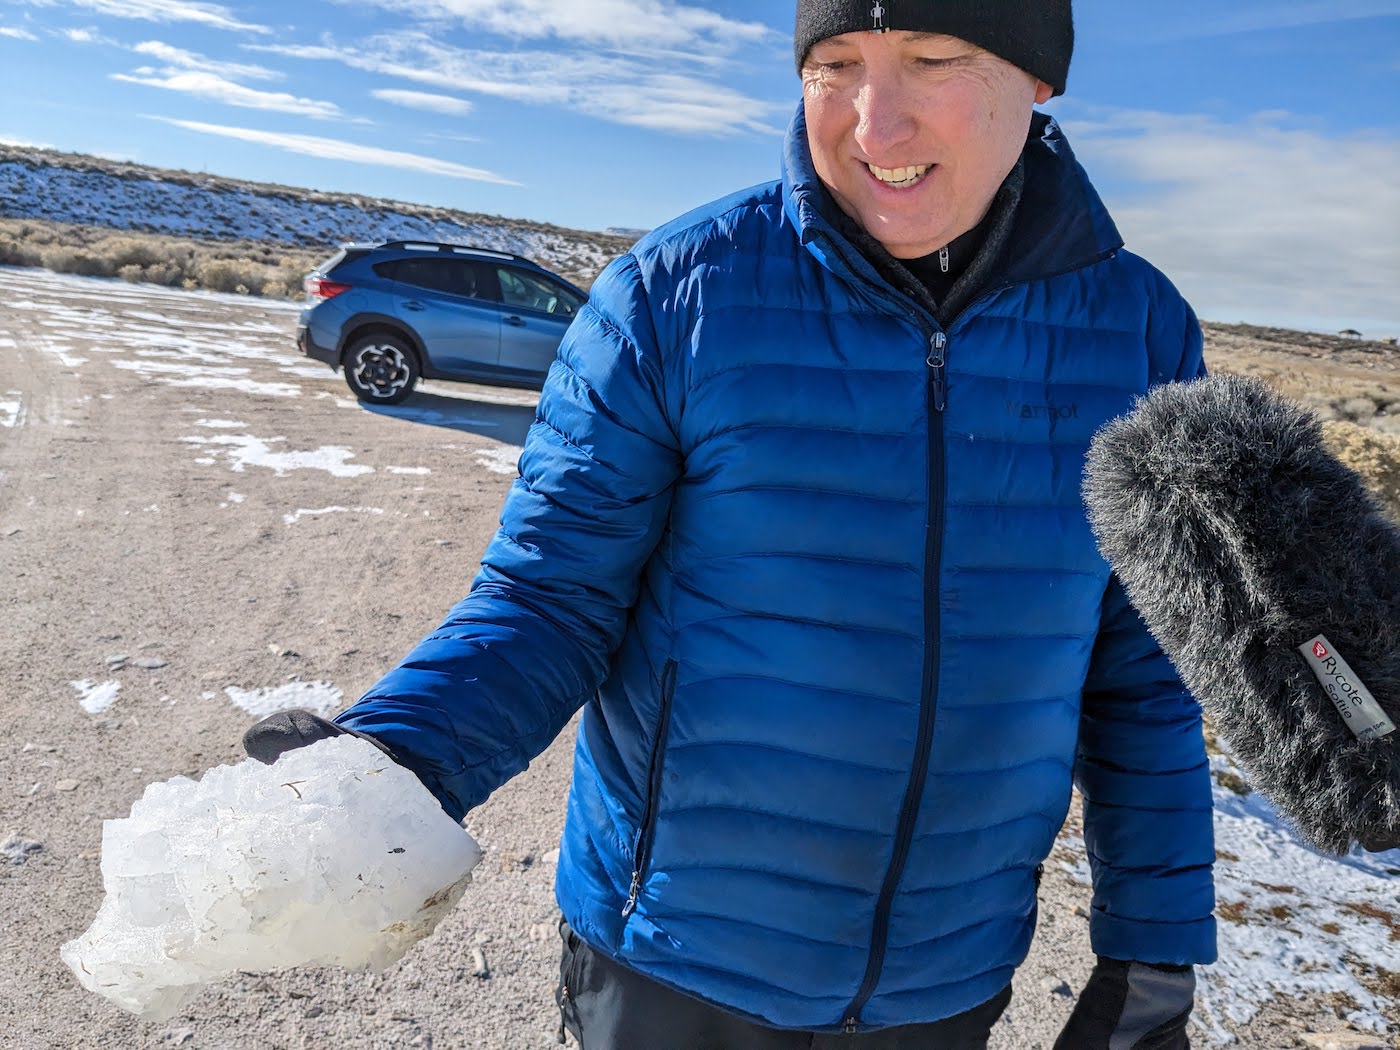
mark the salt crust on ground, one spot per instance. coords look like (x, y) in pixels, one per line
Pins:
(334, 856)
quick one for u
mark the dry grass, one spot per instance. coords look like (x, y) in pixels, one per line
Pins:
(1371, 911)
(244, 267)
(1373, 455)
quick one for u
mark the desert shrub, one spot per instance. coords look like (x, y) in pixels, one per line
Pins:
(130, 251)
(82, 263)
(1373, 455)
(12, 253)
(228, 275)
(167, 273)
(178, 262)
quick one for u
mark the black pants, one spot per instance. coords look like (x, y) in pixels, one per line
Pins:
(609, 1007)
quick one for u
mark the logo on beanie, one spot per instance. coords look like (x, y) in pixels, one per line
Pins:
(1320, 650)
(877, 18)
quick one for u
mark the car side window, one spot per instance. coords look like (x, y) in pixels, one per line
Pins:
(531, 291)
(569, 301)
(454, 276)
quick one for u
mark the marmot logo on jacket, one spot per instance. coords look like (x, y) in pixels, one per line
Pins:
(1023, 410)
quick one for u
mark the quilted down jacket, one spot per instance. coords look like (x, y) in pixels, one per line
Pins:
(818, 573)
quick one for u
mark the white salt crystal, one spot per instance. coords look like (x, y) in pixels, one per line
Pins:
(334, 856)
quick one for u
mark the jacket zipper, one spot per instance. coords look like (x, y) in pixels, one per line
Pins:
(647, 832)
(928, 701)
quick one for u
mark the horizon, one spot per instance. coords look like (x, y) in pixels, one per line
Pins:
(1249, 155)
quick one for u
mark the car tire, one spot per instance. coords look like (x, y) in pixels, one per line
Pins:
(381, 368)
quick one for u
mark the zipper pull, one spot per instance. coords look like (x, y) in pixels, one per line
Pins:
(944, 260)
(850, 1026)
(631, 905)
(936, 359)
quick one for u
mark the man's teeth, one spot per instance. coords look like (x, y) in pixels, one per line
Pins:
(899, 176)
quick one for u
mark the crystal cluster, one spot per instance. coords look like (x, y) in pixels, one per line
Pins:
(334, 856)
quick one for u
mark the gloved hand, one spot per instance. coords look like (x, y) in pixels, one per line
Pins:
(1132, 1006)
(277, 734)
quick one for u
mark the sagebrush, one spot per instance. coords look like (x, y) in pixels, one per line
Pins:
(244, 267)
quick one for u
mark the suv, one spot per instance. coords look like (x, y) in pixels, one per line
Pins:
(390, 314)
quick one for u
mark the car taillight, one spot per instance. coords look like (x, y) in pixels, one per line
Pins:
(319, 289)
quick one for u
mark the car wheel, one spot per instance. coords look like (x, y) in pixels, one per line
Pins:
(381, 369)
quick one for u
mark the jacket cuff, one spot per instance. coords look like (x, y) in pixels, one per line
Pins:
(1178, 943)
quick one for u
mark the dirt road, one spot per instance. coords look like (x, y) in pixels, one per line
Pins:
(190, 510)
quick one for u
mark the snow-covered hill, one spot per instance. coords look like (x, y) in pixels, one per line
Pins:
(43, 184)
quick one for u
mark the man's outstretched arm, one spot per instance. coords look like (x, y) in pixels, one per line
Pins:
(486, 692)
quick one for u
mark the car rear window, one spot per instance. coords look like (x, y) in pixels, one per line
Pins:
(340, 258)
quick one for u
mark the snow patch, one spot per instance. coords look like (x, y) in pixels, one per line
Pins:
(1292, 921)
(321, 697)
(408, 470)
(499, 460)
(308, 371)
(219, 424)
(11, 412)
(95, 698)
(245, 451)
(208, 378)
(292, 519)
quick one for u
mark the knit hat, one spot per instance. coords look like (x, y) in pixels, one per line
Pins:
(1036, 35)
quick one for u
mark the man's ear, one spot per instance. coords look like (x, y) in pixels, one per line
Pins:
(1043, 92)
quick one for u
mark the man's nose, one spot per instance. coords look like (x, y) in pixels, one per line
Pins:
(886, 117)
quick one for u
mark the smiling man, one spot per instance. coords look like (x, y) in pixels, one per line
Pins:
(799, 529)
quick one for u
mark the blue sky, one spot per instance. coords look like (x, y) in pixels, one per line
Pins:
(1251, 148)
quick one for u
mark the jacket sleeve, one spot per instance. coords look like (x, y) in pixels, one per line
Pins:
(485, 693)
(1143, 772)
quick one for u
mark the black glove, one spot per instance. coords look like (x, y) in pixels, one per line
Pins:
(277, 734)
(1132, 1006)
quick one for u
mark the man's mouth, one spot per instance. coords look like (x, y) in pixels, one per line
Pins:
(900, 178)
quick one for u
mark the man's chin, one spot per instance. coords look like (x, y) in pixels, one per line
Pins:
(902, 245)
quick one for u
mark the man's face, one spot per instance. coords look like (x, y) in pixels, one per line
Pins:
(913, 133)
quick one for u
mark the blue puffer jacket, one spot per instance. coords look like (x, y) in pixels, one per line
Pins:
(819, 575)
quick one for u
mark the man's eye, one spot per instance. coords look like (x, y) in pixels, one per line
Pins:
(937, 63)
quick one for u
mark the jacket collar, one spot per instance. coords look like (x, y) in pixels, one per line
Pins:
(1060, 225)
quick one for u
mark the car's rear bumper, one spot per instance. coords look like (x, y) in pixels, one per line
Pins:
(308, 346)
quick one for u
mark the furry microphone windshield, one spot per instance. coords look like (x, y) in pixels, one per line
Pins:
(1271, 578)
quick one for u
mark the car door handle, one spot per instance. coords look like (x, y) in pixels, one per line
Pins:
(513, 321)
(413, 304)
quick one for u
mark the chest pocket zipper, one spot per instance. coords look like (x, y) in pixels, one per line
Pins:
(655, 768)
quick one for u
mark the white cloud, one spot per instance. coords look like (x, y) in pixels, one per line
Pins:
(80, 36)
(23, 143)
(638, 26)
(1264, 220)
(616, 88)
(214, 16)
(446, 104)
(351, 152)
(180, 59)
(1276, 15)
(15, 33)
(217, 89)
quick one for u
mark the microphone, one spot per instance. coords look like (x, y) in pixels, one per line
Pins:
(1271, 578)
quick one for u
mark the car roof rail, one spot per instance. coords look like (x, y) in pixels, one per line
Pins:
(438, 246)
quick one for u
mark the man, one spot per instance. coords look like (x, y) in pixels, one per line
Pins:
(799, 528)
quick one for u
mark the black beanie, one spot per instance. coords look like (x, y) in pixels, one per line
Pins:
(1036, 35)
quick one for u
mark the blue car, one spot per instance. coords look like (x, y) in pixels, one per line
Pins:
(388, 315)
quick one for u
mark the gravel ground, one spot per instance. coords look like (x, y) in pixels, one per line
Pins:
(179, 488)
